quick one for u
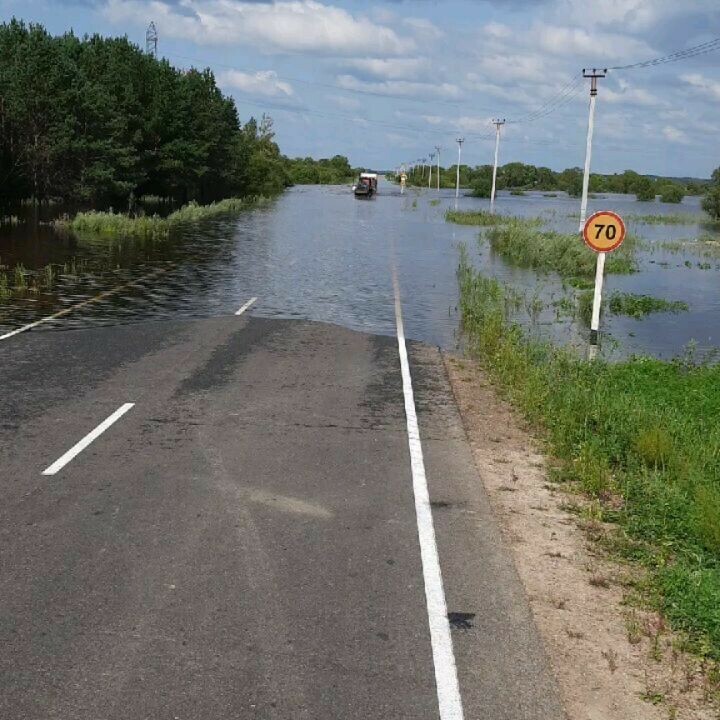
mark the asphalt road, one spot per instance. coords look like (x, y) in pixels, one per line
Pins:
(243, 542)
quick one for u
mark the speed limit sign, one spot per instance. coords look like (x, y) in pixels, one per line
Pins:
(604, 231)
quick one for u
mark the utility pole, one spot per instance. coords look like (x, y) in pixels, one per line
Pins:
(151, 40)
(498, 124)
(432, 155)
(424, 160)
(594, 76)
(438, 148)
(460, 142)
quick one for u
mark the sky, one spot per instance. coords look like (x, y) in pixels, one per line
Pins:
(385, 82)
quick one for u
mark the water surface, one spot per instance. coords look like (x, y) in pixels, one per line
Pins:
(319, 253)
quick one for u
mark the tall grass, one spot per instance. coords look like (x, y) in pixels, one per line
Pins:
(667, 219)
(481, 218)
(641, 437)
(522, 244)
(152, 227)
(20, 280)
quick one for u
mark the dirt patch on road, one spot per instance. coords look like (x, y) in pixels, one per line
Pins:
(612, 661)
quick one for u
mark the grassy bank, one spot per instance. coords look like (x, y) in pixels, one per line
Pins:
(152, 227)
(640, 438)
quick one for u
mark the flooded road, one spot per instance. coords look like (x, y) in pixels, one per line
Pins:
(318, 253)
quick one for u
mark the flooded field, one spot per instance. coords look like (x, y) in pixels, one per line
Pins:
(319, 253)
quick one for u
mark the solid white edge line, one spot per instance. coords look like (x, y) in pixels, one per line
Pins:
(23, 329)
(446, 679)
(61, 462)
(250, 302)
(72, 308)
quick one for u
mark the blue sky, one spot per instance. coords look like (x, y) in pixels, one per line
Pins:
(384, 82)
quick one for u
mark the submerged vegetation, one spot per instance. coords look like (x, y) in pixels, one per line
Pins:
(153, 227)
(474, 217)
(21, 281)
(522, 244)
(640, 438)
(638, 306)
(667, 219)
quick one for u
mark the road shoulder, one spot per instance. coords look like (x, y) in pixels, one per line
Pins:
(611, 661)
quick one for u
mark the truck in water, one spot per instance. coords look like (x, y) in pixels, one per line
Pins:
(366, 186)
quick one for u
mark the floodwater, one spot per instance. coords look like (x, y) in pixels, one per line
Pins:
(318, 253)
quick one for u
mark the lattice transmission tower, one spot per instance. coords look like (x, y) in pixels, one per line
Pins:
(151, 40)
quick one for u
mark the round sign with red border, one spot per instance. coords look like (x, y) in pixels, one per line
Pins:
(604, 231)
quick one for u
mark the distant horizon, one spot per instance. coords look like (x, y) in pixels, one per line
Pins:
(388, 83)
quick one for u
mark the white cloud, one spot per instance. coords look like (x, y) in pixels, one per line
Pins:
(702, 85)
(391, 69)
(675, 135)
(424, 28)
(586, 46)
(262, 82)
(629, 95)
(632, 14)
(345, 103)
(400, 88)
(283, 26)
(399, 140)
(476, 124)
(498, 30)
(465, 123)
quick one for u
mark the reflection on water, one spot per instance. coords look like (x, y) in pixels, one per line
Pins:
(319, 253)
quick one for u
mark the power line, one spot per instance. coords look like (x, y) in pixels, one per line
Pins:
(691, 52)
(562, 97)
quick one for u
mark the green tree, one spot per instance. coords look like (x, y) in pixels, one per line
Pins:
(482, 187)
(643, 188)
(98, 121)
(671, 193)
(571, 181)
(711, 200)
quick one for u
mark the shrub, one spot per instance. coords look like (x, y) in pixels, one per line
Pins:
(482, 188)
(672, 193)
(644, 189)
(711, 202)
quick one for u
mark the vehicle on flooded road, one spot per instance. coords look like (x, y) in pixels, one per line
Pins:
(366, 186)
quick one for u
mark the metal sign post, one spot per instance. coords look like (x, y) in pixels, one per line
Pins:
(603, 232)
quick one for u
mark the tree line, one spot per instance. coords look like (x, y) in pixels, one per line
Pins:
(519, 177)
(98, 122)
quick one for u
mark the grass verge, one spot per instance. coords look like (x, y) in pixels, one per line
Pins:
(151, 227)
(639, 437)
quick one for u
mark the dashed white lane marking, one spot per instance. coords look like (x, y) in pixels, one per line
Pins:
(446, 680)
(72, 308)
(250, 302)
(61, 462)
